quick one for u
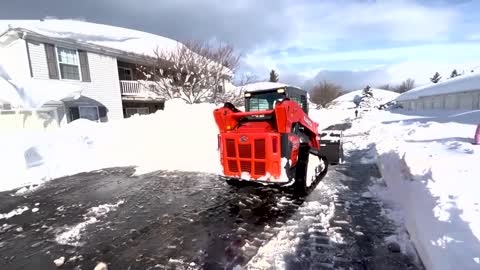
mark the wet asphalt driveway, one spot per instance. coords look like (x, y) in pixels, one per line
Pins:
(186, 220)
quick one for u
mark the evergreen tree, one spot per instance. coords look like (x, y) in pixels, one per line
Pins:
(367, 91)
(436, 77)
(454, 74)
(273, 76)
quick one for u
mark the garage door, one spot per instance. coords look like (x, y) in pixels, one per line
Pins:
(438, 102)
(466, 102)
(451, 102)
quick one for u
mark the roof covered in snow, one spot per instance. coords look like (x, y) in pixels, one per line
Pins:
(463, 83)
(118, 38)
(260, 86)
(115, 39)
(380, 97)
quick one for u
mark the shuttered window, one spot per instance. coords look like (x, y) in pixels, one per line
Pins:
(83, 57)
(68, 63)
(51, 61)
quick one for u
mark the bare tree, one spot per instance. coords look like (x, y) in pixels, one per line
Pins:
(236, 97)
(194, 71)
(405, 86)
(324, 92)
(386, 86)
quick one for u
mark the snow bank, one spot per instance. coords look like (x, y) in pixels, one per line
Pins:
(32, 93)
(431, 169)
(379, 97)
(183, 137)
(326, 117)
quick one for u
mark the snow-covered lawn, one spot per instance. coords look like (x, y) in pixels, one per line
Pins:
(380, 97)
(432, 172)
(182, 137)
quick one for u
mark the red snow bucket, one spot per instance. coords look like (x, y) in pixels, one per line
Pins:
(476, 140)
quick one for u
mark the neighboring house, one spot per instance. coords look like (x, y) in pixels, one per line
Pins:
(102, 59)
(459, 93)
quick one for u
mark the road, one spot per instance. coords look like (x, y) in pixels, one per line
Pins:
(188, 220)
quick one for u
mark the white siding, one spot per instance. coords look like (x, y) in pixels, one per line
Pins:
(104, 87)
(38, 59)
(15, 58)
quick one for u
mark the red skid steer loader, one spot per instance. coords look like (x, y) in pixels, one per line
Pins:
(274, 141)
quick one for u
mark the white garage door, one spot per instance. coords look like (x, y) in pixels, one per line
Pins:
(451, 102)
(438, 102)
(466, 102)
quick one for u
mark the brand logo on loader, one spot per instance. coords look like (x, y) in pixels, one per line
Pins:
(243, 138)
(308, 121)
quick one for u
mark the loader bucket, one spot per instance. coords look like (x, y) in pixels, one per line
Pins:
(331, 146)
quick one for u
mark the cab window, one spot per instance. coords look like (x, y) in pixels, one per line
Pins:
(262, 101)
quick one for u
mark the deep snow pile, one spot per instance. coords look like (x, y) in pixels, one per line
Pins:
(431, 170)
(183, 137)
(30, 93)
(347, 101)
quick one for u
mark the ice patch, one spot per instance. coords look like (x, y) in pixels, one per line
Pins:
(15, 212)
(72, 235)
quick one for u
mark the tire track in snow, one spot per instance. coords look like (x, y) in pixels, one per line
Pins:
(340, 226)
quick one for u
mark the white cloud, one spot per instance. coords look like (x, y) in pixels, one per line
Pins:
(321, 28)
(445, 51)
(420, 71)
(322, 24)
(474, 37)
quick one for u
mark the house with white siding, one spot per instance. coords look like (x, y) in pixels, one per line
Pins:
(102, 59)
(458, 93)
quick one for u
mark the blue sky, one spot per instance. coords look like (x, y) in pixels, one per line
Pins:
(408, 38)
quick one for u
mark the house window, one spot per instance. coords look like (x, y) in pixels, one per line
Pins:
(89, 112)
(125, 74)
(68, 64)
(132, 111)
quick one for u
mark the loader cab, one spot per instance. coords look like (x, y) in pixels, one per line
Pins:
(266, 99)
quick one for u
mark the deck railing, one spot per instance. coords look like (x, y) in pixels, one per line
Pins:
(137, 88)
